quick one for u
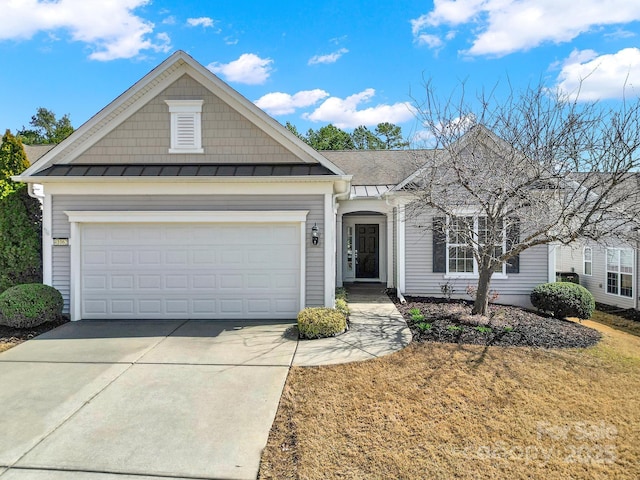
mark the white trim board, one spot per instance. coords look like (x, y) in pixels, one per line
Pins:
(188, 216)
(78, 218)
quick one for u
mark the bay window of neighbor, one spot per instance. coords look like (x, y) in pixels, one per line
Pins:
(620, 272)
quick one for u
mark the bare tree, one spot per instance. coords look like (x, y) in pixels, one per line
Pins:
(502, 176)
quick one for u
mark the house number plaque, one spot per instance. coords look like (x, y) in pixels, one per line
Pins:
(61, 241)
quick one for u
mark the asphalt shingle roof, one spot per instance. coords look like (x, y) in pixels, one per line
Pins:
(374, 167)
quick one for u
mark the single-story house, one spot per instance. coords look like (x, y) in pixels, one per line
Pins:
(608, 271)
(182, 199)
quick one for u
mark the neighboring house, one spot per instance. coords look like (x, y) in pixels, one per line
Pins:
(609, 272)
(182, 199)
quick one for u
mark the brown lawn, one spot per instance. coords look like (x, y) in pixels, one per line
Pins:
(442, 411)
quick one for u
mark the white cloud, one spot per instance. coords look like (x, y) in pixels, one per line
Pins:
(593, 77)
(344, 113)
(329, 58)
(278, 103)
(249, 69)
(502, 27)
(200, 22)
(432, 41)
(170, 20)
(111, 29)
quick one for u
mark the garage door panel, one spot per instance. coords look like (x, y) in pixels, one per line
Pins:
(177, 282)
(149, 257)
(177, 257)
(203, 257)
(122, 282)
(190, 271)
(203, 281)
(259, 281)
(98, 307)
(122, 307)
(95, 282)
(92, 257)
(204, 307)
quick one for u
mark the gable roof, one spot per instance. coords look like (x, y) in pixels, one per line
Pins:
(35, 152)
(148, 87)
(375, 167)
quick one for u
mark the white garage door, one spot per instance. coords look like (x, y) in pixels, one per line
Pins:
(199, 271)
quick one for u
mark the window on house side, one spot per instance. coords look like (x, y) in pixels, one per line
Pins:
(186, 126)
(620, 272)
(460, 260)
(587, 261)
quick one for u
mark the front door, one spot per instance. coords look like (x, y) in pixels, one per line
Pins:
(367, 242)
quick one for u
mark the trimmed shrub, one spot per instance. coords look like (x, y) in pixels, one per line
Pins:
(563, 299)
(320, 322)
(341, 294)
(341, 306)
(30, 305)
(20, 222)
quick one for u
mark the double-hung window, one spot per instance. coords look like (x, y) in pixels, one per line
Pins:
(462, 233)
(620, 272)
(460, 254)
(587, 261)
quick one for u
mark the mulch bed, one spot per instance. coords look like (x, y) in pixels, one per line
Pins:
(628, 313)
(10, 335)
(452, 322)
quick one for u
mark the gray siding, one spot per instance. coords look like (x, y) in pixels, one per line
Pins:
(227, 137)
(597, 282)
(313, 203)
(420, 279)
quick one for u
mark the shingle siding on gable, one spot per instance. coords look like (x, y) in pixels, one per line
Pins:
(313, 203)
(227, 137)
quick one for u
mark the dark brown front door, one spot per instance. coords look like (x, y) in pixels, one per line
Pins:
(367, 241)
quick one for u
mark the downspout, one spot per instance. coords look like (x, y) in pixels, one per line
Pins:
(337, 243)
(399, 238)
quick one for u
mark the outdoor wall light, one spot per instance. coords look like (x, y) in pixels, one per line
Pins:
(314, 234)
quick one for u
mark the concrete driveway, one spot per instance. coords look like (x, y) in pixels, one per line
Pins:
(115, 400)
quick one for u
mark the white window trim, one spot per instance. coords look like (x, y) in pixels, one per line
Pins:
(192, 108)
(79, 218)
(475, 274)
(584, 261)
(619, 272)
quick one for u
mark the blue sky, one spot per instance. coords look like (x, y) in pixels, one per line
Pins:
(314, 62)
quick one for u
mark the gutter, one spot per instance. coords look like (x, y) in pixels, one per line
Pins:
(31, 191)
(185, 179)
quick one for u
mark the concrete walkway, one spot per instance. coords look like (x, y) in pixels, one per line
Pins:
(144, 400)
(377, 329)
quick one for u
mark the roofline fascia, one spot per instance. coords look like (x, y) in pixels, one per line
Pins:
(185, 179)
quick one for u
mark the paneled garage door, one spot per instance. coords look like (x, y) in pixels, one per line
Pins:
(199, 271)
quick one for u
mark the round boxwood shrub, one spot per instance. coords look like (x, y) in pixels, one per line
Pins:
(563, 299)
(29, 305)
(321, 322)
